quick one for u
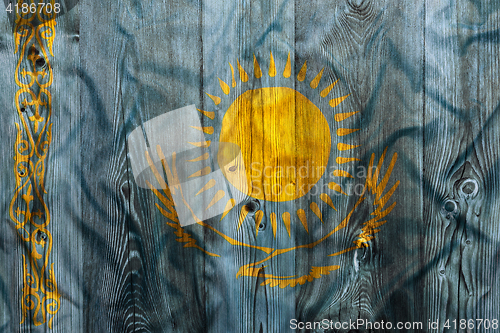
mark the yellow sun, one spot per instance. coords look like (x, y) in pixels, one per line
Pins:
(279, 132)
(284, 140)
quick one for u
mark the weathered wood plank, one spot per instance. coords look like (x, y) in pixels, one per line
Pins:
(459, 156)
(105, 220)
(378, 49)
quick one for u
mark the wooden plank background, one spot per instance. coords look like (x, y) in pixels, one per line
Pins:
(425, 77)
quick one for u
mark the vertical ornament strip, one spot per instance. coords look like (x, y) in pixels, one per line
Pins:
(34, 35)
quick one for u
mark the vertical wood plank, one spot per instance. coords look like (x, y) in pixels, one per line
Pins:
(459, 158)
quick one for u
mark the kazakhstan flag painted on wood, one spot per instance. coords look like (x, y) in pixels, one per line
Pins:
(264, 166)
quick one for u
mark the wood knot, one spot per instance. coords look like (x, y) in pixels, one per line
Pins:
(262, 226)
(40, 62)
(450, 208)
(252, 206)
(465, 182)
(41, 236)
(468, 188)
(33, 50)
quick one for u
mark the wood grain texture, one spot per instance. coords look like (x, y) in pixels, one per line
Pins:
(424, 77)
(462, 100)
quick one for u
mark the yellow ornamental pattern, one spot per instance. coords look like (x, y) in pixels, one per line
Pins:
(34, 35)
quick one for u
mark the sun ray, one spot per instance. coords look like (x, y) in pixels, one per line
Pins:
(203, 172)
(229, 205)
(336, 187)
(216, 99)
(344, 116)
(303, 219)
(243, 215)
(243, 74)
(217, 197)
(202, 144)
(343, 146)
(256, 68)
(224, 86)
(302, 73)
(336, 101)
(273, 223)
(346, 131)
(327, 90)
(233, 81)
(288, 67)
(203, 157)
(326, 199)
(206, 130)
(314, 83)
(286, 222)
(211, 183)
(175, 178)
(209, 114)
(315, 209)
(342, 160)
(342, 173)
(272, 66)
(258, 218)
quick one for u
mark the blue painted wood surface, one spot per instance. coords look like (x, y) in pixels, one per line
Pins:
(424, 77)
